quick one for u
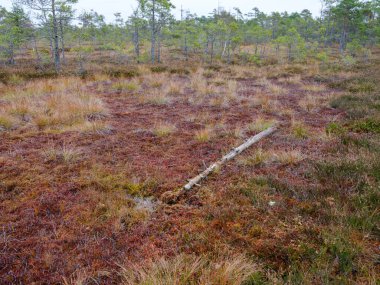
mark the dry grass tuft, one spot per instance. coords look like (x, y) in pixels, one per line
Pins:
(155, 80)
(204, 135)
(101, 77)
(237, 132)
(219, 101)
(314, 88)
(200, 85)
(299, 130)
(275, 89)
(64, 154)
(130, 86)
(296, 80)
(263, 82)
(266, 102)
(80, 277)
(155, 98)
(291, 157)
(188, 269)
(163, 129)
(287, 112)
(309, 103)
(259, 157)
(261, 124)
(95, 127)
(173, 88)
(232, 88)
(50, 104)
(6, 122)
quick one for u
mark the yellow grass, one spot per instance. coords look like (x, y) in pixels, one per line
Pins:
(130, 86)
(156, 97)
(65, 154)
(266, 102)
(291, 80)
(314, 88)
(259, 157)
(309, 103)
(275, 89)
(6, 122)
(232, 88)
(289, 157)
(163, 129)
(173, 88)
(204, 135)
(200, 85)
(94, 127)
(261, 124)
(219, 101)
(155, 80)
(52, 104)
(188, 269)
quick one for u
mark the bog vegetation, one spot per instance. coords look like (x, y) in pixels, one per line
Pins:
(100, 122)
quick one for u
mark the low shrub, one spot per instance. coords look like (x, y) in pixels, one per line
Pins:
(159, 69)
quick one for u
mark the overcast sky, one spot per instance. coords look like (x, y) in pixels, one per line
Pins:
(200, 7)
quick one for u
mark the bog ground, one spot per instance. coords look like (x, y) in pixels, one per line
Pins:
(84, 164)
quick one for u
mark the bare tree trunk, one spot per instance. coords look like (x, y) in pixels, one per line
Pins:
(277, 50)
(159, 47)
(136, 41)
(38, 57)
(343, 39)
(212, 52)
(50, 34)
(229, 53)
(57, 60)
(62, 40)
(263, 51)
(11, 54)
(205, 52)
(51, 46)
(153, 36)
(224, 48)
(186, 48)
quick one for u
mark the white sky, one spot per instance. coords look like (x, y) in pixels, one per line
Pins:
(200, 7)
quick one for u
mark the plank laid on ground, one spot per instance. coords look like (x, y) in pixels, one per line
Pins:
(195, 181)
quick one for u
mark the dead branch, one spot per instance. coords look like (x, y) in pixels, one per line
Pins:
(196, 180)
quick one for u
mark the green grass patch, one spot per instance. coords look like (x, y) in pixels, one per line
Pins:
(354, 85)
(369, 125)
(159, 69)
(300, 130)
(335, 129)
(343, 176)
(122, 73)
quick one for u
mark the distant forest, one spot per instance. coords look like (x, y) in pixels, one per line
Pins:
(49, 29)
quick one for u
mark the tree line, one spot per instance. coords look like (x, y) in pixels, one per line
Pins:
(50, 28)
